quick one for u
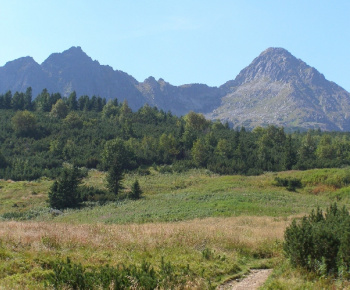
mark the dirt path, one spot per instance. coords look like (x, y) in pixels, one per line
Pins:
(254, 280)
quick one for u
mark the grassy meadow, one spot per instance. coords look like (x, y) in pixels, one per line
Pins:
(216, 227)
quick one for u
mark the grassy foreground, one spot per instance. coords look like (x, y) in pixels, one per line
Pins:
(218, 227)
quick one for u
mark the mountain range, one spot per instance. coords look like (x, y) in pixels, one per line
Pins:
(275, 89)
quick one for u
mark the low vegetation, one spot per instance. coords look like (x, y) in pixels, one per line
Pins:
(205, 227)
(320, 242)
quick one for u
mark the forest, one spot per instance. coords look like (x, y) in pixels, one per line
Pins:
(38, 136)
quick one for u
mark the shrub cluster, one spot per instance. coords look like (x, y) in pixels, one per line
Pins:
(321, 242)
(69, 275)
(290, 184)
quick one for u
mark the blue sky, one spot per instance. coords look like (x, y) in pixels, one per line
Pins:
(181, 41)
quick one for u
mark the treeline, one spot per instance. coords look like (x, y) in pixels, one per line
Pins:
(37, 137)
(44, 101)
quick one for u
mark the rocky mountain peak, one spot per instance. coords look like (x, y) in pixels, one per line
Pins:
(21, 63)
(277, 88)
(151, 81)
(74, 56)
(276, 64)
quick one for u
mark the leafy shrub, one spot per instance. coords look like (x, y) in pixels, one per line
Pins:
(182, 165)
(165, 169)
(290, 184)
(25, 215)
(207, 254)
(321, 242)
(92, 194)
(142, 171)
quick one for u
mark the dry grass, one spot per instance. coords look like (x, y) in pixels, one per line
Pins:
(221, 233)
(232, 245)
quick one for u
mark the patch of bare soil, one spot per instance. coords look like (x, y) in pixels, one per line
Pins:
(254, 280)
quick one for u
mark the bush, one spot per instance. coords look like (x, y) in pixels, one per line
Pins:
(321, 242)
(290, 184)
(92, 194)
(69, 275)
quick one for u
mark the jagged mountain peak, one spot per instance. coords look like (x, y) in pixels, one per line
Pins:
(278, 88)
(151, 80)
(70, 57)
(21, 62)
(277, 65)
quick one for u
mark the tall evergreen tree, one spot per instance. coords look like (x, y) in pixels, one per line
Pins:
(115, 177)
(64, 192)
(7, 100)
(28, 99)
(17, 102)
(72, 101)
(136, 190)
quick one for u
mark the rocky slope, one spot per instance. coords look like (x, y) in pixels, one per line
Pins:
(74, 70)
(279, 89)
(182, 99)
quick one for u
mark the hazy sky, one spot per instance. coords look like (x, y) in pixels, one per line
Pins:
(181, 41)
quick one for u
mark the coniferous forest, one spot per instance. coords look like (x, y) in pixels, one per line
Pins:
(38, 136)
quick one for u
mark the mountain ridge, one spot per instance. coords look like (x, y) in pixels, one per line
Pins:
(276, 88)
(279, 89)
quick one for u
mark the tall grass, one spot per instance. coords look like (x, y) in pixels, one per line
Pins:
(220, 226)
(213, 248)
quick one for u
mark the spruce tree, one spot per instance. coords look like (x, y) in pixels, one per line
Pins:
(115, 177)
(136, 190)
(64, 193)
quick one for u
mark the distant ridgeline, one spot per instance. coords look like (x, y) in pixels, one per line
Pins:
(276, 89)
(37, 137)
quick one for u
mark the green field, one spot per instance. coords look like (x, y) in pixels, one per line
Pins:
(216, 226)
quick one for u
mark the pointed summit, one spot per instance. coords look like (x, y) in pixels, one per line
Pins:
(75, 51)
(71, 56)
(279, 89)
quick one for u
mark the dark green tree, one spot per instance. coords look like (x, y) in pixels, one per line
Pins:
(64, 192)
(290, 154)
(83, 103)
(73, 121)
(24, 123)
(110, 110)
(72, 101)
(136, 190)
(28, 99)
(7, 100)
(3, 162)
(116, 151)
(17, 102)
(115, 177)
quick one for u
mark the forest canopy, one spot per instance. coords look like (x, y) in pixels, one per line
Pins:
(38, 136)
